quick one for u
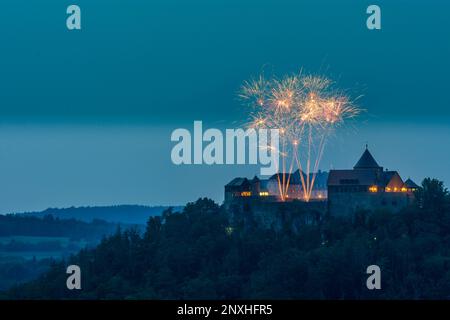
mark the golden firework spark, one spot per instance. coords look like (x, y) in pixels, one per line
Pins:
(305, 108)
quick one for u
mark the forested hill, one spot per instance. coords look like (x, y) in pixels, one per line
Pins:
(196, 255)
(126, 214)
(48, 226)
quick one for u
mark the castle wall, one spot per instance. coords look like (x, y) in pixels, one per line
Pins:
(346, 203)
(268, 213)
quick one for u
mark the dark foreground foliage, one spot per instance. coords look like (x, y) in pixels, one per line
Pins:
(195, 255)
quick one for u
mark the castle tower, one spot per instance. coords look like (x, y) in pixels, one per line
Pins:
(255, 186)
(367, 161)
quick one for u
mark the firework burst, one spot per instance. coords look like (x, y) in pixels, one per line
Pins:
(305, 108)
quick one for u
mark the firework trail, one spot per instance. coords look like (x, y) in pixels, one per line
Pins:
(305, 108)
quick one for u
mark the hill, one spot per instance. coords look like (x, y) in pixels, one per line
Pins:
(196, 254)
(126, 214)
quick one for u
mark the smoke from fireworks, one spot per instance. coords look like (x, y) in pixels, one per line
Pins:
(305, 108)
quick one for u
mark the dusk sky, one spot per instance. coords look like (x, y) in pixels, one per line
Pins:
(86, 116)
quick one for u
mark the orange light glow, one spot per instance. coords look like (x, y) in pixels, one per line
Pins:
(305, 108)
(246, 194)
(373, 189)
(264, 193)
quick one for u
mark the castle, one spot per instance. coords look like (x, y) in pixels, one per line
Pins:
(338, 192)
(368, 186)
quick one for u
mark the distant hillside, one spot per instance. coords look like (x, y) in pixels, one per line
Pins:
(28, 241)
(126, 214)
(49, 226)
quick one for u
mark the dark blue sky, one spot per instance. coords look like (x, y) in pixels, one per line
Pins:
(86, 116)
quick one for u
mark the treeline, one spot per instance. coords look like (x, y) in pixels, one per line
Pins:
(14, 270)
(18, 246)
(196, 255)
(49, 226)
(127, 214)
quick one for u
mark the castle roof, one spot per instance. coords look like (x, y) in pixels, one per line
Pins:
(236, 182)
(280, 174)
(263, 184)
(364, 177)
(366, 161)
(295, 178)
(352, 177)
(366, 172)
(410, 184)
(387, 176)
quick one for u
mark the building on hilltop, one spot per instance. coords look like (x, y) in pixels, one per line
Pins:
(339, 192)
(267, 190)
(367, 186)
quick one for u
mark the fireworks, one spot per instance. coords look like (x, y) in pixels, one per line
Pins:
(305, 108)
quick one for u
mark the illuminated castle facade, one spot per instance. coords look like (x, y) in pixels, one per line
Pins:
(339, 192)
(267, 190)
(368, 186)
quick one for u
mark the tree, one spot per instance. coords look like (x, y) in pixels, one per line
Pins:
(433, 195)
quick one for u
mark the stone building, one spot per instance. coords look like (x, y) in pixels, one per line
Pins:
(338, 192)
(367, 186)
(240, 189)
(257, 202)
